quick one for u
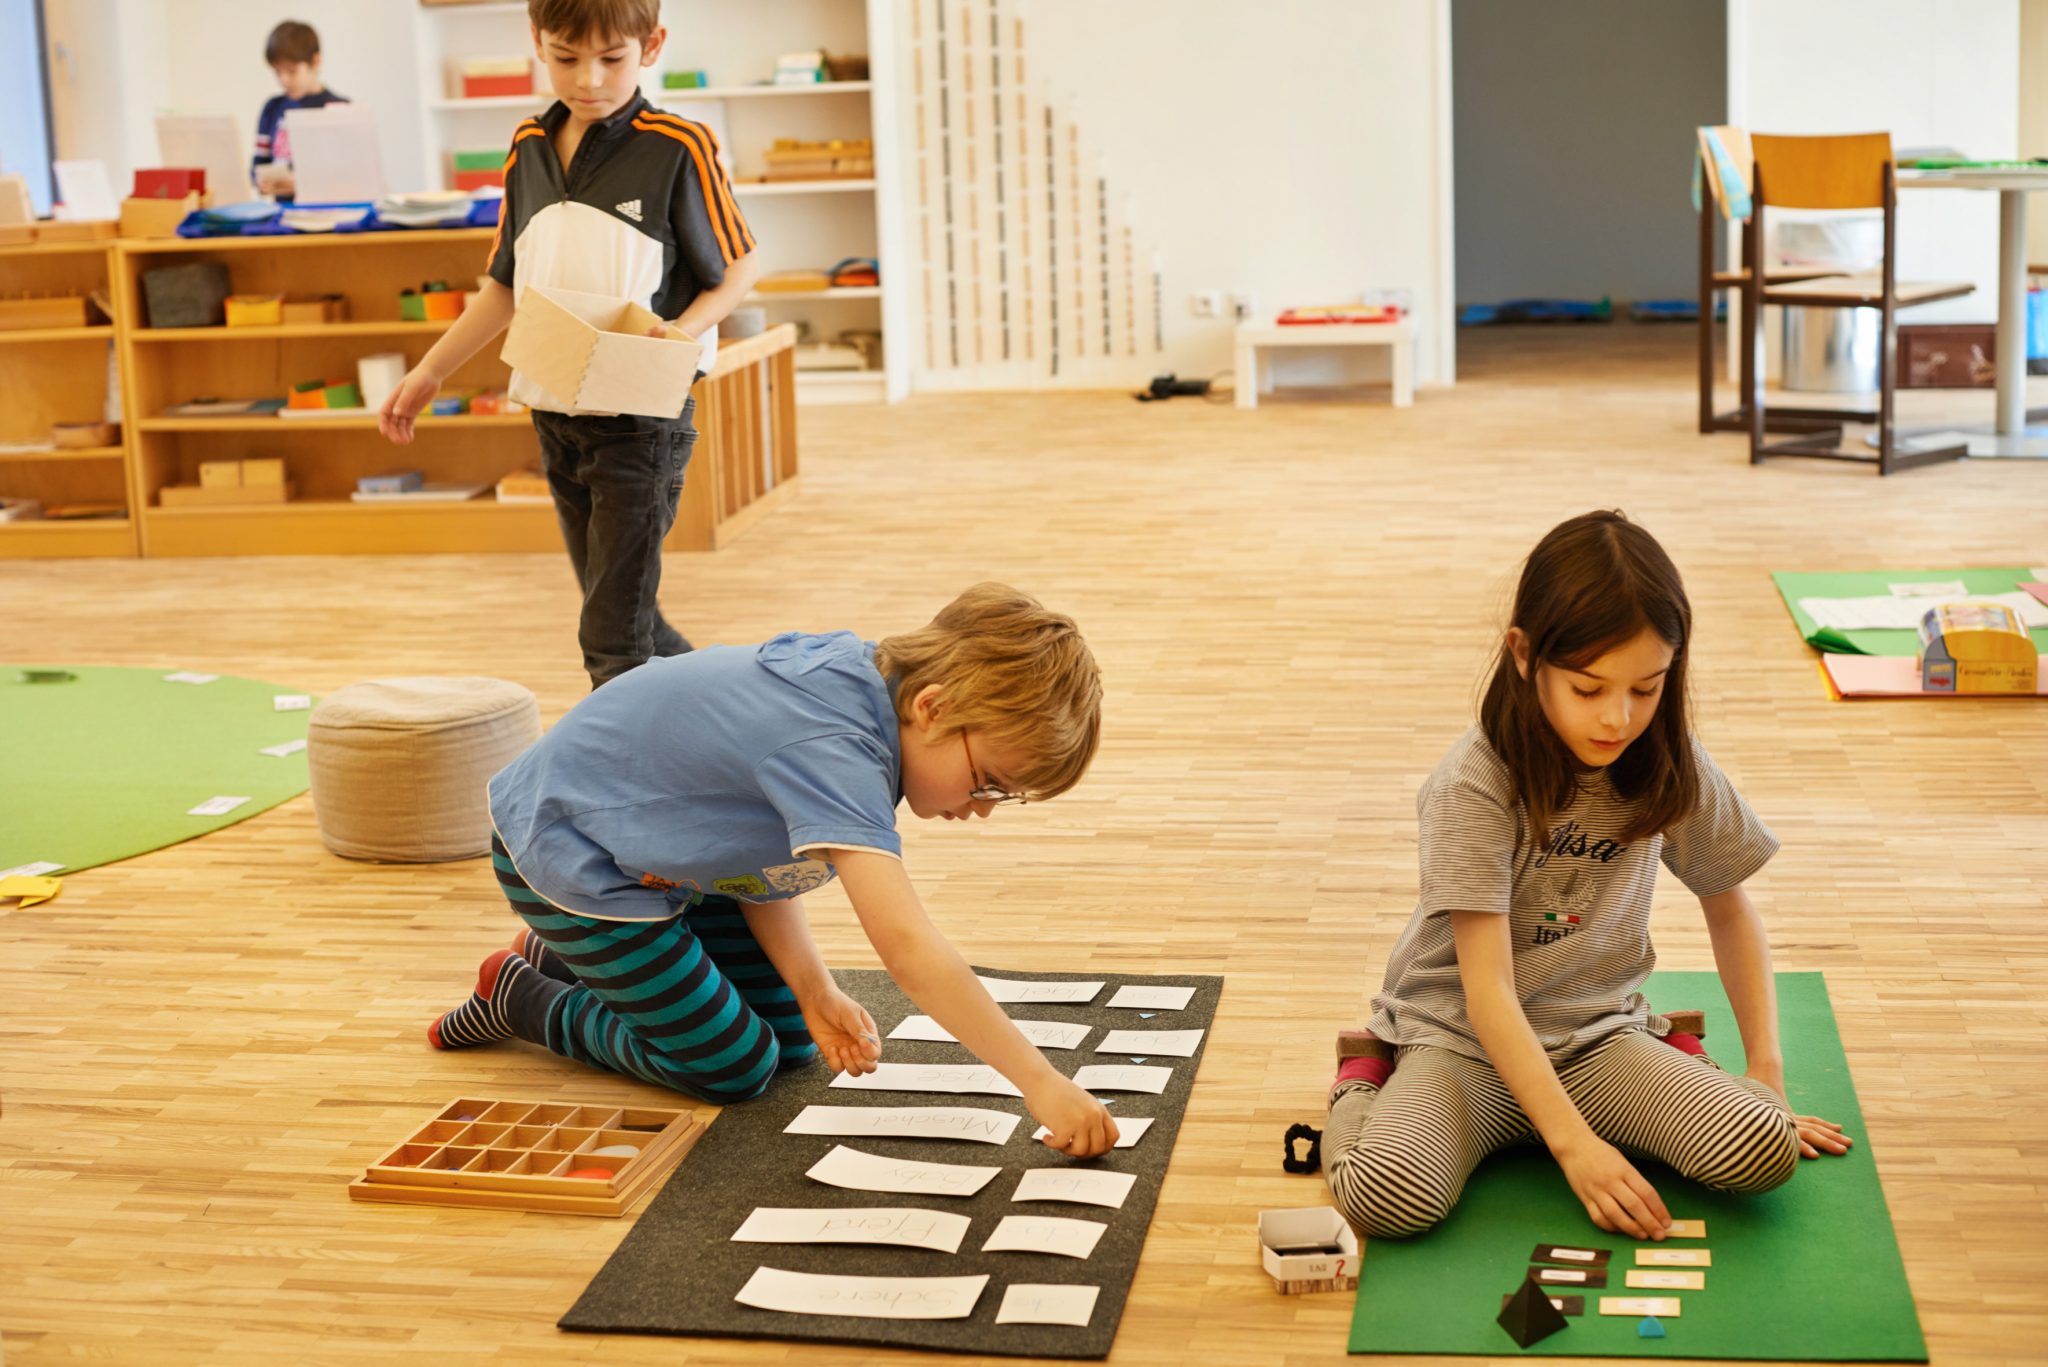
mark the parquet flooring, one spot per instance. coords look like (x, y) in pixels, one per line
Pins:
(1293, 608)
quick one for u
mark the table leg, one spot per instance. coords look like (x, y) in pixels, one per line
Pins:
(1404, 372)
(2012, 311)
(1247, 377)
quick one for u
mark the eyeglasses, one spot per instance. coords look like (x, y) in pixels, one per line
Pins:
(983, 792)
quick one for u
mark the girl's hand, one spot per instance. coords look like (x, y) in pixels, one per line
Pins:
(1817, 1136)
(845, 1033)
(1081, 1126)
(414, 393)
(1615, 1196)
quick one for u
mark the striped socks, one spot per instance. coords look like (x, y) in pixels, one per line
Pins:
(483, 1019)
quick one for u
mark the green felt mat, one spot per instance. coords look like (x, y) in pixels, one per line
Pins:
(1810, 1271)
(108, 765)
(1877, 584)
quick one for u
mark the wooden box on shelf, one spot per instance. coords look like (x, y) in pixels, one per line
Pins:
(61, 311)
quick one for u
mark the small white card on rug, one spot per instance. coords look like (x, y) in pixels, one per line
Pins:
(1122, 1077)
(874, 1298)
(290, 702)
(1011, 991)
(858, 1171)
(1660, 1279)
(1674, 1257)
(930, 1077)
(30, 870)
(906, 1122)
(1044, 1034)
(1129, 1130)
(1153, 998)
(1045, 1234)
(1036, 1303)
(895, 1226)
(1083, 1186)
(186, 676)
(283, 748)
(1173, 1043)
(1663, 1307)
(216, 806)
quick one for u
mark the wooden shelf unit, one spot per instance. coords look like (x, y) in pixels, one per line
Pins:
(744, 464)
(59, 375)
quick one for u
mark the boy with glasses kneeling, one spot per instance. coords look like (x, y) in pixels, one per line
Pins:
(657, 842)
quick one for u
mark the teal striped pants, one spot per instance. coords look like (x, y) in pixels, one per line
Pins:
(691, 1003)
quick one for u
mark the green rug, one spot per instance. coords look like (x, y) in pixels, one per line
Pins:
(1877, 584)
(1810, 1271)
(110, 763)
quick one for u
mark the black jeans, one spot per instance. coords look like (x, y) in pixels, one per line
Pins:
(616, 483)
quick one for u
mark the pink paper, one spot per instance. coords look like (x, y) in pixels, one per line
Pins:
(2039, 591)
(1894, 676)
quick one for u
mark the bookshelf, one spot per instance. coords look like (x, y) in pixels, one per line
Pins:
(61, 375)
(797, 224)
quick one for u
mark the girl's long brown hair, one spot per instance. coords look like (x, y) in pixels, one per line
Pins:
(1592, 584)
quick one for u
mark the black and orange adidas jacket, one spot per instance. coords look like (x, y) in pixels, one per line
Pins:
(645, 213)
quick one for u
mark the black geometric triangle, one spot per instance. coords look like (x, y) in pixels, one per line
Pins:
(1529, 1316)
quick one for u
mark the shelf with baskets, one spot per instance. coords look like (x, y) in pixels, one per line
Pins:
(64, 388)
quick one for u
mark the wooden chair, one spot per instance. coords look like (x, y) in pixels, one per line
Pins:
(1849, 171)
(1725, 161)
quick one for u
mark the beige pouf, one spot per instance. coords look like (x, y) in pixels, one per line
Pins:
(399, 765)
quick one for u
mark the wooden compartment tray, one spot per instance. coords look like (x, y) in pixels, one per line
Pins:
(502, 1154)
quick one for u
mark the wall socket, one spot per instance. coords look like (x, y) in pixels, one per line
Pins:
(1206, 304)
(1243, 304)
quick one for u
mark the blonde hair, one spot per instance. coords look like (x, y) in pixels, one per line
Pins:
(1006, 667)
(572, 21)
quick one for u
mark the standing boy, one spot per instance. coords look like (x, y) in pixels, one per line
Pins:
(293, 51)
(605, 194)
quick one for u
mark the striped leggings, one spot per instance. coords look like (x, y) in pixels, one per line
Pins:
(690, 1003)
(1398, 1157)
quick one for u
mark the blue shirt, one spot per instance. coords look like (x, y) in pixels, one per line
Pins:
(707, 773)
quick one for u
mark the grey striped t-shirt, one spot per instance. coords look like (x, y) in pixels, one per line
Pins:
(1578, 907)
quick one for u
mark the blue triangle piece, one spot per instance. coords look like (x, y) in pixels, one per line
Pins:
(1650, 1328)
(1138, 1060)
(1146, 1015)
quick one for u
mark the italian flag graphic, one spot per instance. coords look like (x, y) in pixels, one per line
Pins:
(1560, 916)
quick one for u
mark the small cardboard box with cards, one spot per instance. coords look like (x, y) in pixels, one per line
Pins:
(1308, 1250)
(596, 354)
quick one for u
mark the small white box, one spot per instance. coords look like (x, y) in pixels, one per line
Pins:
(1319, 1228)
(595, 353)
(378, 375)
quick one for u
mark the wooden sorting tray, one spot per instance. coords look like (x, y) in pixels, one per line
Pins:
(516, 1155)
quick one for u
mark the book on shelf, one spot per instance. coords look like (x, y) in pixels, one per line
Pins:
(525, 486)
(392, 482)
(426, 493)
(225, 408)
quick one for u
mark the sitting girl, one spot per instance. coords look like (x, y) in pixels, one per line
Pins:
(1511, 1008)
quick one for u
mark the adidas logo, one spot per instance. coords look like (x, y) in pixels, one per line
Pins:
(631, 209)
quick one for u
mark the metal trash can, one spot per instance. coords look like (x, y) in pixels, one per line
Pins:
(1831, 350)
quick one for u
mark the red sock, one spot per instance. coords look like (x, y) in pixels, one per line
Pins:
(1373, 1070)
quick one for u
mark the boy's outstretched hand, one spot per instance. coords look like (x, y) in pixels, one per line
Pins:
(1081, 1126)
(845, 1033)
(414, 393)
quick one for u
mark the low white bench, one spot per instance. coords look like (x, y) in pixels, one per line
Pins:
(1257, 341)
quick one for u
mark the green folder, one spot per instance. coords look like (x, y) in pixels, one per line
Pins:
(1876, 584)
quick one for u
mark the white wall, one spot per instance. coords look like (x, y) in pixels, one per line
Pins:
(1289, 149)
(1931, 72)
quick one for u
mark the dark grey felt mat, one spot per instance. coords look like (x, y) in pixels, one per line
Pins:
(676, 1273)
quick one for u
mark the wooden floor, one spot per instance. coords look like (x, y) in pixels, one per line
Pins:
(1292, 606)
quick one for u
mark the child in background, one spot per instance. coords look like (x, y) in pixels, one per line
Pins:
(293, 52)
(606, 194)
(657, 840)
(1511, 1000)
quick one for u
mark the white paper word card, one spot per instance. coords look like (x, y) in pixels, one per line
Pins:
(1656, 1279)
(186, 676)
(216, 806)
(1011, 991)
(857, 1171)
(1084, 1186)
(283, 748)
(875, 1298)
(896, 1226)
(1044, 1034)
(1152, 998)
(930, 1077)
(290, 702)
(1129, 1130)
(1032, 1303)
(1045, 1234)
(1172, 1043)
(1663, 1307)
(906, 1122)
(1674, 1257)
(1122, 1077)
